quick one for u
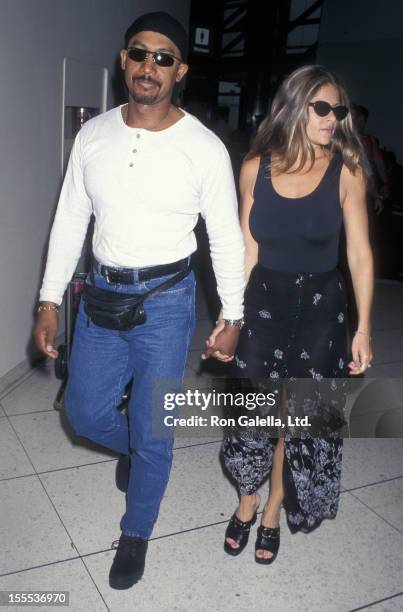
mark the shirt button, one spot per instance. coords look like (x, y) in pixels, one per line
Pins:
(131, 165)
(134, 151)
(137, 135)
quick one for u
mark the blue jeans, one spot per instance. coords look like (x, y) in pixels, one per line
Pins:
(103, 362)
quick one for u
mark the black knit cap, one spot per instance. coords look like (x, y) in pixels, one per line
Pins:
(163, 24)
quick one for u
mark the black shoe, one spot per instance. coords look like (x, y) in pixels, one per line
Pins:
(239, 532)
(268, 538)
(128, 564)
(122, 473)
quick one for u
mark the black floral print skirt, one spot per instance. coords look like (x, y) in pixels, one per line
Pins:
(295, 334)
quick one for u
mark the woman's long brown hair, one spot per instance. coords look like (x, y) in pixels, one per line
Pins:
(283, 131)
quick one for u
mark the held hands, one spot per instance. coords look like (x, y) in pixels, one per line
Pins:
(45, 329)
(362, 353)
(222, 341)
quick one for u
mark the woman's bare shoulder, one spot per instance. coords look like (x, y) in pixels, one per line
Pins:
(352, 179)
(352, 185)
(250, 168)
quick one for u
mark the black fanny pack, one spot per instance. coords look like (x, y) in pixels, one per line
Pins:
(121, 311)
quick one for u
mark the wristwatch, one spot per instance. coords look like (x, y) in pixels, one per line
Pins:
(235, 322)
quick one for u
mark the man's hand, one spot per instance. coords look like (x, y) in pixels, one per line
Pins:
(45, 330)
(378, 206)
(222, 345)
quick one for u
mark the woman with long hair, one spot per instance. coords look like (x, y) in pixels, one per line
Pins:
(303, 178)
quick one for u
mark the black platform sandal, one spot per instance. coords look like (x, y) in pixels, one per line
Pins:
(268, 538)
(239, 532)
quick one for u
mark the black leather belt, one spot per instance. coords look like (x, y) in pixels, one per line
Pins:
(128, 276)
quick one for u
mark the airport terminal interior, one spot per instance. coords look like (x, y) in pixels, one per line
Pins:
(60, 507)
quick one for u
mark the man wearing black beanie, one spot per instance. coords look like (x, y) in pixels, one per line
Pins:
(145, 170)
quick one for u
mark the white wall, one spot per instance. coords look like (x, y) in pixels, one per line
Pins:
(362, 40)
(35, 36)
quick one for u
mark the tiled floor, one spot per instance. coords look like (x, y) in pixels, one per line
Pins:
(60, 509)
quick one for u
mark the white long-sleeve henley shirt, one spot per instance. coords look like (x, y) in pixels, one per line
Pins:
(146, 190)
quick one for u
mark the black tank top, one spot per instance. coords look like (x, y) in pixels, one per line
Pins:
(298, 234)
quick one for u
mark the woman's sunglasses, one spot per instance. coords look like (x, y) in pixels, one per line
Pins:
(323, 108)
(161, 59)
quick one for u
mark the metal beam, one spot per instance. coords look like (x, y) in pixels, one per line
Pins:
(228, 4)
(233, 43)
(234, 15)
(239, 26)
(311, 50)
(313, 21)
(303, 18)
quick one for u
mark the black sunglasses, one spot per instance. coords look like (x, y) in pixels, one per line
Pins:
(323, 108)
(161, 59)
